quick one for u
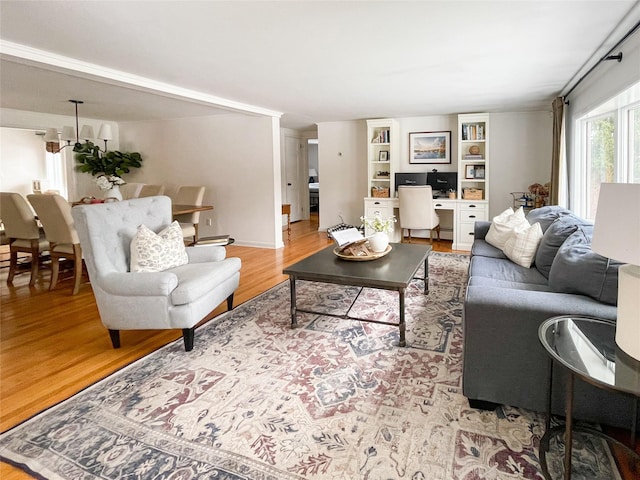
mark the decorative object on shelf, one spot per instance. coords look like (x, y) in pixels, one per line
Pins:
(469, 171)
(382, 136)
(380, 192)
(478, 172)
(430, 147)
(382, 174)
(474, 150)
(472, 193)
(617, 236)
(383, 156)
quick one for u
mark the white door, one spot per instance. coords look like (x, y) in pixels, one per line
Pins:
(292, 149)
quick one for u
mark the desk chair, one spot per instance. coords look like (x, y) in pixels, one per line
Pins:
(189, 221)
(22, 230)
(54, 212)
(151, 190)
(417, 211)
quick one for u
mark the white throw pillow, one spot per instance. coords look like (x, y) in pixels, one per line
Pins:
(503, 225)
(151, 252)
(522, 245)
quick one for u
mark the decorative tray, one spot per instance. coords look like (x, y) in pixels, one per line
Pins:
(360, 258)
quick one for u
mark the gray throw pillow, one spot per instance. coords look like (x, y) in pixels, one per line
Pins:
(553, 238)
(545, 216)
(578, 269)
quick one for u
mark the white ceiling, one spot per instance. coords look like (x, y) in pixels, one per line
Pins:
(313, 61)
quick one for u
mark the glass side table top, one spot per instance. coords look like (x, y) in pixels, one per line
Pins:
(587, 347)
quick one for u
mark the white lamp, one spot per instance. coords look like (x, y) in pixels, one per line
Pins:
(105, 134)
(87, 132)
(312, 174)
(616, 235)
(51, 135)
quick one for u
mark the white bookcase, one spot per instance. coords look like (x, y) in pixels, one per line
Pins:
(474, 156)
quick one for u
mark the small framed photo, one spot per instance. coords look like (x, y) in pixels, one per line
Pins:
(430, 147)
(478, 172)
(470, 171)
(383, 156)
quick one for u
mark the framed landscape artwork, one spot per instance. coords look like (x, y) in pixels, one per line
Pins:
(430, 147)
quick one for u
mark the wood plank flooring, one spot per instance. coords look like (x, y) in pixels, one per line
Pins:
(52, 344)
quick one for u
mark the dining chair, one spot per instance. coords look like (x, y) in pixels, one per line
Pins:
(54, 212)
(148, 190)
(189, 221)
(417, 211)
(131, 190)
(24, 234)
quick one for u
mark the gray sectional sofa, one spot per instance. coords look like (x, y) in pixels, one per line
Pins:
(504, 362)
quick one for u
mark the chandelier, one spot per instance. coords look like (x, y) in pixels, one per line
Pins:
(71, 134)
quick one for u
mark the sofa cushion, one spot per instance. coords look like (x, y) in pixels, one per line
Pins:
(151, 252)
(578, 269)
(504, 269)
(523, 243)
(553, 238)
(545, 216)
(503, 225)
(495, 282)
(485, 249)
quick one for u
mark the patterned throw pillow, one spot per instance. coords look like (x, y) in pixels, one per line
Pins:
(151, 252)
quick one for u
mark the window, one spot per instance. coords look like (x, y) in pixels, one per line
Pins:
(608, 149)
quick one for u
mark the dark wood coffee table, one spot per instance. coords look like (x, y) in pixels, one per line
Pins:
(394, 272)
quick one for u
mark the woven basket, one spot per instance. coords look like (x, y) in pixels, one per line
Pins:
(472, 193)
(380, 192)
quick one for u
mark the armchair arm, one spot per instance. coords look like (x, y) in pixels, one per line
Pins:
(206, 253)
(141, 284)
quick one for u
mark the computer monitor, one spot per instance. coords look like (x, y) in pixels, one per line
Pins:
(442, 181)
(419, 178)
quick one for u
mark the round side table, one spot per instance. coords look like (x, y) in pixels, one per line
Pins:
(586, 348)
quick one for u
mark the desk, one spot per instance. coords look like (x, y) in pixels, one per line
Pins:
(464, 213)
(177, 209)
(286, 210)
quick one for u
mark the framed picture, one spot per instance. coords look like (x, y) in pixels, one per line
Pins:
(430, 147)
(478, 172)
(383, 156)
(470, 171)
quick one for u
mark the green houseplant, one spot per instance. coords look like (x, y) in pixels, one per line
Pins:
(108, 166)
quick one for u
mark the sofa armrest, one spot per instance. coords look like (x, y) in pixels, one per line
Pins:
(143, 284)
(480, 229)
(206, 253)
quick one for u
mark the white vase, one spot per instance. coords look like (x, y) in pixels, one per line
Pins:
(379, 242)
(113, 192)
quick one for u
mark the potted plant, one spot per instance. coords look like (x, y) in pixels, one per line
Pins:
(108, 167)
(380, 239)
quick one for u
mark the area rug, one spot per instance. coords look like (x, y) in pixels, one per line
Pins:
(332, 399)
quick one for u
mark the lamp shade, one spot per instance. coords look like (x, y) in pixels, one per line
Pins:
(105, 132)
(616, 233)
(87, 132)
(51, 135)
(313, 172)
(68, 134)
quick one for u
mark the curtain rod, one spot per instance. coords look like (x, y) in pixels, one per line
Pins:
(607, 56)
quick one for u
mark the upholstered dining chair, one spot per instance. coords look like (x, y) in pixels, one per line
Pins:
(23, 232)
(169, 297)
(131, 190)
(417, 211)
(54, 212)
(149, 190)
(189, 222)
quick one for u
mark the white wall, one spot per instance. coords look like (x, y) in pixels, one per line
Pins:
(236, 157)
(22, 160)
(342, 157)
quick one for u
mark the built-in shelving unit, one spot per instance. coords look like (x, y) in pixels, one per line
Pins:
(474, 157)
(382, 156)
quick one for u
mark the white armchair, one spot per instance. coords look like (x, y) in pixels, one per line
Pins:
(179, 297)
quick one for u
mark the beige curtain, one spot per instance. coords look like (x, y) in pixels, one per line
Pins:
(558, 153)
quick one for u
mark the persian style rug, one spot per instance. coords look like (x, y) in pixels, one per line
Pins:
(332, 399)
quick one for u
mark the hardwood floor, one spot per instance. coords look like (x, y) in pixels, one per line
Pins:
(52, 344)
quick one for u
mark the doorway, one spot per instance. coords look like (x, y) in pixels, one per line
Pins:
(314, 177)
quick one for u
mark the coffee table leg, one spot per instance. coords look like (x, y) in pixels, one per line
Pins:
(426, 275)
(402, 325)
(292, 287)
(568, 434)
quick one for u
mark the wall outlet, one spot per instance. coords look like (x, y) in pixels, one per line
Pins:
(208, 222)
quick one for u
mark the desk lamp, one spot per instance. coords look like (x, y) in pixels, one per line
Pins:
(616, 235)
